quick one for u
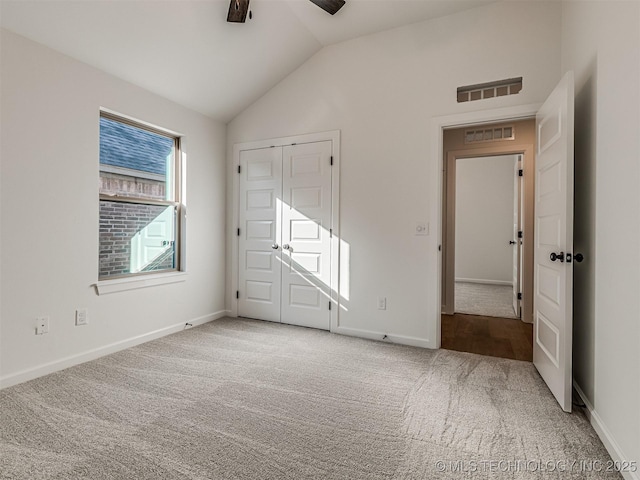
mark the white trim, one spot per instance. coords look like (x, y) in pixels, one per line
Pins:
(57, 365)
(283, 141)
(105, 287)
(484, 281)
(438, 124)
(182, 238)
(167, 131)
(382, 337)
(605, 435)
(334, 137)
(335, 225)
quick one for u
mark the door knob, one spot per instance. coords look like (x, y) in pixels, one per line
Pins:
(512, 242)
(275, 246)
(578, 257)
(557, 256)
(286, 246)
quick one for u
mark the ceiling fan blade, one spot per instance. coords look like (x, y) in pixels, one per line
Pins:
(238, 11)
(330, 6)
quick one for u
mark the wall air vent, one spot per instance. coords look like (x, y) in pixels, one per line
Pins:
(501, 88)
(489, 134)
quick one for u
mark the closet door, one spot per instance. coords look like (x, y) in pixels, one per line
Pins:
(306, 241)
(259, 262)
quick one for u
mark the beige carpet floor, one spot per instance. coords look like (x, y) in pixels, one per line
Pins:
(242, 399)
(483, 299)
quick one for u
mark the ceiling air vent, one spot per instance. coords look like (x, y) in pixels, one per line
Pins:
(489, 134)
(501, 88)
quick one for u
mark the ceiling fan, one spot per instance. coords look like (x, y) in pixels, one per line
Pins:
(238, 9)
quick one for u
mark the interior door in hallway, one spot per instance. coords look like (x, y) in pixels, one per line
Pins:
(516, 268)
(553, 265)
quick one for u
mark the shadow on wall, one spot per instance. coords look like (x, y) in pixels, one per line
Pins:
(584, 231)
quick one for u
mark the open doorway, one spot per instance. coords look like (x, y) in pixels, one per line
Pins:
(487, 246)
(487, 274)
(547, 248)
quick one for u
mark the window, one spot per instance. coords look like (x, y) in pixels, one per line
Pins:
(140, 208)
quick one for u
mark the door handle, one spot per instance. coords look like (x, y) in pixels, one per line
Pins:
(557, 256)
(286, 246)
(578, 257)
(275, 246)
(512, 242)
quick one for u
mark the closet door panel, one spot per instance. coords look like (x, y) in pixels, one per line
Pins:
(259, 262)
(306, 223)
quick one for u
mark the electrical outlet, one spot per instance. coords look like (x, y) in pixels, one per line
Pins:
(382, 303)
(82, 317)
(42, 325)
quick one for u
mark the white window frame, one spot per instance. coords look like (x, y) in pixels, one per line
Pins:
(130, 281)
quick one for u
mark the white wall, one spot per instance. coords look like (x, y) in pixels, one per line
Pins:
(601, 42)
(382, 92)
(49, 210)
(484, 219)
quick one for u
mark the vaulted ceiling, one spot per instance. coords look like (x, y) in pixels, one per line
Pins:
(185, 50)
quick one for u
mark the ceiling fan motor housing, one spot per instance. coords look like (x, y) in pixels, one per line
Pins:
(329, 6)
(238, 11)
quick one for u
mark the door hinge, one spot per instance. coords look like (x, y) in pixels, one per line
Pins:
(330, 232)
(331, 161)
(520, 234)
(238, 232)
(329, 305)
(520, 172)
(237, 293)
(239, 168)
(519, 296)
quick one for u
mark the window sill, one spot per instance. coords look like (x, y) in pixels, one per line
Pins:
(106, 287)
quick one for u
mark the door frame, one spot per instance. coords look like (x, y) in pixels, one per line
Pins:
(334, 137)
(527, 151)
(435, 185)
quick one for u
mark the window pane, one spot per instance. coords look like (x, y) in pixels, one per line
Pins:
(135, 162)
(136, 238)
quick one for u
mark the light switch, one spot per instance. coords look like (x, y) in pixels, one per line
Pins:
(422, 228)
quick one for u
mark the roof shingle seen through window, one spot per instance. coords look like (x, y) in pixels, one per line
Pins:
(126, 146)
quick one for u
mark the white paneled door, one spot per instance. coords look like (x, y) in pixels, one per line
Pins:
(260, 236)
(285, 247)
(553, 277)
(306, 223)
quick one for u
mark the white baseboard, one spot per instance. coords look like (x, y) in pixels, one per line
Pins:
(70, 361)
(380, 336)
(605, 436)
(484, 281)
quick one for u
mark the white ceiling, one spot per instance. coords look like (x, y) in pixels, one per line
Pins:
(185, 50)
